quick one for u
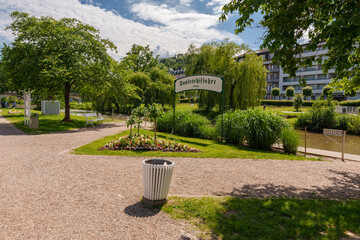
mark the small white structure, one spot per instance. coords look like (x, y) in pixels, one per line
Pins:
(50, 107)
(27, 107)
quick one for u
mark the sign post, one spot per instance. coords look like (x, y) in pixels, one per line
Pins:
(201, 82)
(338, 133)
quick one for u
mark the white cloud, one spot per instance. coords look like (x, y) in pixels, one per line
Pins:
(177, 32)
(192, 26)
(217, 5)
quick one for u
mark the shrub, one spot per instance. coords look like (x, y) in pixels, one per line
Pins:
(233, 128)
(354, 124)
(321, 115)
(275, 92)
(262, 128)
(186, 123)
(327, 91)
(343, 122)
(289, 92)
(303, 120)
(285, 103)
(298, 102)
(208, 132)
(307, 91)
(290, 140)
(350, 103)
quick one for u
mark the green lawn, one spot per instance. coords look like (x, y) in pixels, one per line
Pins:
(208, 148)
(47, 123)
(236, 218)
(186, 106)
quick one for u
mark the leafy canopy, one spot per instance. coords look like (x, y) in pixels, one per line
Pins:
(244, 81)
(335, 23)
(51, 56)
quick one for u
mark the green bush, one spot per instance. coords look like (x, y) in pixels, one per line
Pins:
(343, 121)
(82, 106)
(354, 124)
(275, 92)
(350, 103)
(298, 102)
(321, 115)
(186, 123)
(290, 140)
(262, 128)
(290, 92)
(208, 132)
(284, 103)
(233, 128)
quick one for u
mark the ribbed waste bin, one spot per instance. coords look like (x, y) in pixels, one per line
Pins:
(156, 179)
(34, 121)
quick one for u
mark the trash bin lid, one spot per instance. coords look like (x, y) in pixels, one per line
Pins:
(158, 162)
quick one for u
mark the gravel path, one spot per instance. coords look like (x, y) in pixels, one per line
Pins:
(48, 193)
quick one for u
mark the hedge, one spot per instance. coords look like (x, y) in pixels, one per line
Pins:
(350, 103)
(286, 103)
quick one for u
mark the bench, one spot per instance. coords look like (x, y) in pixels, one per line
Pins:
(89, 117)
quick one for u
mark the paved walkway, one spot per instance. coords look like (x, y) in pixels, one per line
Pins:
(332, 154)
(48, 193)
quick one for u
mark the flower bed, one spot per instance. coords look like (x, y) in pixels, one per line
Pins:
(147, 143)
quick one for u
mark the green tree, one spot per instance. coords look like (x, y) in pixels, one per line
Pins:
(52, 56)
(156, 85)
(275, 92)
(139, 59)
(298, 101)
(290, 92)
(243, 80)
(335, 24)
(130, 122)
(140, 112)
(155, 111)
(327, 91)
(116, 90)
(307, 91)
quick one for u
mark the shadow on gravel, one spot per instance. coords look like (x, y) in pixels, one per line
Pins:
(345, 185)
(138, 210)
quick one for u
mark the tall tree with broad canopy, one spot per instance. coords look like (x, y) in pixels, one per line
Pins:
(335, 24)
(139, 59)
(52, 56)
(244, 81)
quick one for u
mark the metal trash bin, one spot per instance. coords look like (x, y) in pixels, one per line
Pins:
(34, 121)
(157, 175)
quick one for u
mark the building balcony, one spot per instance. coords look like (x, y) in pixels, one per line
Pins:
(272, 80)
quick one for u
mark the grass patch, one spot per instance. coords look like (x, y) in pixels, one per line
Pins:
(47, 123)
(208, 148)
(235, 218)
(186, 106)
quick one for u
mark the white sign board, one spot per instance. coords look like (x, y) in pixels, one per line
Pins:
(333, 132)
(50, 107)
(199, 82)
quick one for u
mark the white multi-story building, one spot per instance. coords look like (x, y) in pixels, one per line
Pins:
(314, 76)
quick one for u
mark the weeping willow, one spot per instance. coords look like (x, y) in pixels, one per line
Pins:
(245, 81)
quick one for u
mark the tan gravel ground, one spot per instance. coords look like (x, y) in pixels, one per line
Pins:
(48, 193)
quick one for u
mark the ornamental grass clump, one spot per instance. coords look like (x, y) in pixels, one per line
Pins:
(290, 140)
(262, 128)
(187, 124)
(233, 127)
(138, 142)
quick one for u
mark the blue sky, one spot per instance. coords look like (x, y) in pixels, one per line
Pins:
(169, 27)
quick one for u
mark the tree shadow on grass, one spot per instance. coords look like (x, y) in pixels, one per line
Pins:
(139, 210)
(269, 211)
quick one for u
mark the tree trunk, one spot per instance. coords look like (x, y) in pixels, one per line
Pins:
(231, 96)
(155, 129)
(67, 103)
